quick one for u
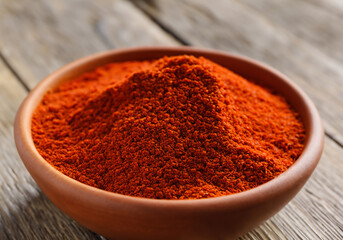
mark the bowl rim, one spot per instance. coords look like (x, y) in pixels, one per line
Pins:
(304, 165)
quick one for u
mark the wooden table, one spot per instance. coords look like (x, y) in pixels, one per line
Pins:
(303, 39)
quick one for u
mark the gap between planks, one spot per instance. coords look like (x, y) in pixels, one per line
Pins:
(15, 74)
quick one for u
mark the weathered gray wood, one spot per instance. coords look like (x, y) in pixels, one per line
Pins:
(332, 6)
(25, 212)
(37, 37)
(307, 21)
(237, 28)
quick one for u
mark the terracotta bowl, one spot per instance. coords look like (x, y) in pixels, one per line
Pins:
(122, 217)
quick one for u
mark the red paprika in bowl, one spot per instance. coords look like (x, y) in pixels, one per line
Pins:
(149, 218)
(178, 127)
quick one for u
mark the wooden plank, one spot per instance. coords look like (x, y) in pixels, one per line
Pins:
(236, 28)
(41, 36)
(25, 212)
(307, 21)
(332, 6)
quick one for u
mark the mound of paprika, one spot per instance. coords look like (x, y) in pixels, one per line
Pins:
(174, 128)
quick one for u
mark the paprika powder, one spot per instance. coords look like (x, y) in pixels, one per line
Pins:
(178, 127)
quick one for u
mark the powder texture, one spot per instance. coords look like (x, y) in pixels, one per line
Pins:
(174, 128)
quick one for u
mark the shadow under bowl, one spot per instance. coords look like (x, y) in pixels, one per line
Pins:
(123, 217)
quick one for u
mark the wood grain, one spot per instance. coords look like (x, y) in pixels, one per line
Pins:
(44, 35)
(332, 6)
(309, 22)
(25, 212)
(238, 28)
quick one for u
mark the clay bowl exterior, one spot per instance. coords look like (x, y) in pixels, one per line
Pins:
(123, 217)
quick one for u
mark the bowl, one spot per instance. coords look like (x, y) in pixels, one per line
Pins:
(123, 217)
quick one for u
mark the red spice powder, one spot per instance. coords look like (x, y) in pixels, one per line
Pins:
(174, 128)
